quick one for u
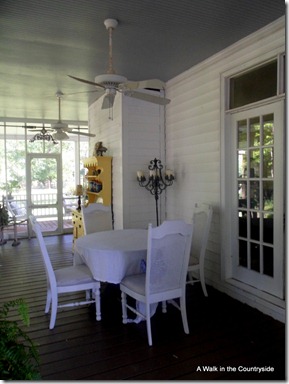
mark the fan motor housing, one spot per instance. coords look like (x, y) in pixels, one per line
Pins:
(110, 80)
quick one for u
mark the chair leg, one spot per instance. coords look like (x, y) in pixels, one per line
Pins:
(48, 301)
(164, 306)
(184, 313)
(148, 320)
(202, 280)
(124, 308)
(97, 304)
(53, 311)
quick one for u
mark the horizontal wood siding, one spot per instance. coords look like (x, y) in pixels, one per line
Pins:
(108, 131)
(133, 137)
(193, 135)
(143, 141)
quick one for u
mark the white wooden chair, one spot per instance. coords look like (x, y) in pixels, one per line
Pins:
(202, 218)
(96, 217)
(66, 280)
(167, 260)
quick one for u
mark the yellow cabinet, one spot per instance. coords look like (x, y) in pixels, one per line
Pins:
(77, 222)
(97, 183)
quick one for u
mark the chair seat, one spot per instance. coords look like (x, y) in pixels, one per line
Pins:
(135, 283)
(79, 274)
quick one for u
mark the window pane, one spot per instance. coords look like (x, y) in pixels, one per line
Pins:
(268, 130)
(268, 261)
(242, 134)
(254, 163)
(258, 84)
(242, 194)
(254, 195)
(268, 196)
(255, 227)
(242, 164)
(255, 257)
(268, 228)
(243, 253)
(268, 163)
(242, 224)
(254, 132)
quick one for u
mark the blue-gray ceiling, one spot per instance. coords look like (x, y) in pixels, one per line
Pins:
(42, 41)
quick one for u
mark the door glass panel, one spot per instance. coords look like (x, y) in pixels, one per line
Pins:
(242, 134)
(254, 163)
(255, 257)
(242, 163)
(255, 212)
(255, 227)
(268, 162)
(268, 201)
(242, 224)
(254, 195)
(243, 253)
(268, 228)
(268, 132)
(268, 261)
(254, 132)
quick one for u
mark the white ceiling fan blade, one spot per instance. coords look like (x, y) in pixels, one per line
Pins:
(82, 133)
(108, 101)
(151, 83)
(87, 81)
(147, 97)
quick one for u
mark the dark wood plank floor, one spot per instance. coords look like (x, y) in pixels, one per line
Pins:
(227, 341)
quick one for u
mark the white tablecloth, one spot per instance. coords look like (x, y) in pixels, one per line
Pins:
(112, 255)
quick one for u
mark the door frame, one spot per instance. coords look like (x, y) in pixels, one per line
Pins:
(228, 204)
(59, 202)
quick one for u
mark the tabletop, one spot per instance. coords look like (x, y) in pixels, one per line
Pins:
(112, 255)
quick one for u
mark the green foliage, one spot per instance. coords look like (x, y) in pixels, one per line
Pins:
(12, 185)
(19, 359)
(3, 216)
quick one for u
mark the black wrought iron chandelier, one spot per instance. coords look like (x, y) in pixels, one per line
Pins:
(157, 182)
(44, 135)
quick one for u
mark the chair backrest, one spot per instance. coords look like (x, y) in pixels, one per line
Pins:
(168, 256)
(45, 256)
(96, 217)
(202, 218)
(17, 209)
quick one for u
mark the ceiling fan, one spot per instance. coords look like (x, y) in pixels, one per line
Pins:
(110, 83)
(60, 128)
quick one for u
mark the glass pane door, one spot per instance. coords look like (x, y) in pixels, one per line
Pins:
(44, 190)
(258, 198)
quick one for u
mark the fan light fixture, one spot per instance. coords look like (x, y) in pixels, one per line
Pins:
(61, 135)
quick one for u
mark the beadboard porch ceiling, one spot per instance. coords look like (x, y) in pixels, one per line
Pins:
(41, 42)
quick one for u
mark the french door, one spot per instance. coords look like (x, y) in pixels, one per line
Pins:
(44, 190)
(258, 158)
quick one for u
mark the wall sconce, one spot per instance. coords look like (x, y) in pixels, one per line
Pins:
(79, 192)
(156, 183)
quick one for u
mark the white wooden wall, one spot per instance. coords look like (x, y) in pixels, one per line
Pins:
(190, 145)
(133, 138)
(193, 140)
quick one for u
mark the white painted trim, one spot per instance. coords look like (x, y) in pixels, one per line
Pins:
(266, 304)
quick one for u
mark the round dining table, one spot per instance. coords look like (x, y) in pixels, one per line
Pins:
(112, 255)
